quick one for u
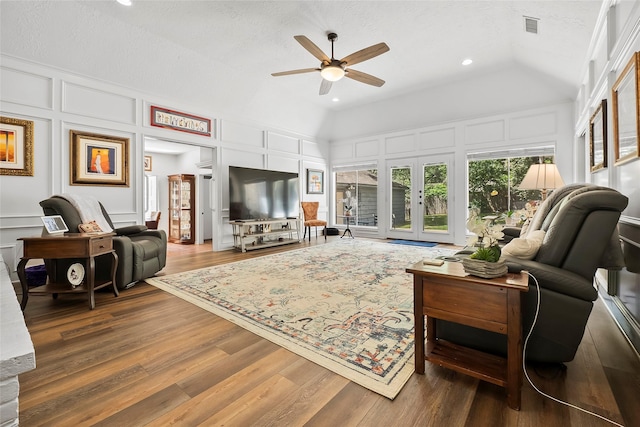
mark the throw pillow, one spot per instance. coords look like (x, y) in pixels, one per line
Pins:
(90, 227)
(525, 248)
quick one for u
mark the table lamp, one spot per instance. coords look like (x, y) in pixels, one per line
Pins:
(543, 177)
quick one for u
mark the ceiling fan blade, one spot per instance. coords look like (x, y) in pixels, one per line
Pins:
(364, 78)
(325, 87)
(303, 70)
(312, 48)
(366, 53)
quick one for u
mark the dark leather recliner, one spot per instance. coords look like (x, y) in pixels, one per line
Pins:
(581, 236)
(141, 252)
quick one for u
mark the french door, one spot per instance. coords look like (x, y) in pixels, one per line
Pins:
(420, 198)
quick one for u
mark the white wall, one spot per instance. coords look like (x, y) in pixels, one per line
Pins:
(616, 38)
(504, 90)
(544, 126)
(58, 101)
(86, 37)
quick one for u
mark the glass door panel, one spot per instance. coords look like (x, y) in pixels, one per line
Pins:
(401, 199)
(437, 188)
(419, 193)
(436, 217)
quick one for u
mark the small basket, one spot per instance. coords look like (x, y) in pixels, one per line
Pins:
(36, 275)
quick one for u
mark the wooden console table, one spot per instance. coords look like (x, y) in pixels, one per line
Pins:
(446, 292)
(71, 245)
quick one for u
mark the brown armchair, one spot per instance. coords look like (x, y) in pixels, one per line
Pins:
(310, 211)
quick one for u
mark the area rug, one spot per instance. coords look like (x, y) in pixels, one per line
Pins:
(413, 243)
(346, 305)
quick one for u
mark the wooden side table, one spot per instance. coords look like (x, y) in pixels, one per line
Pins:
(71, 245)
(446, 292)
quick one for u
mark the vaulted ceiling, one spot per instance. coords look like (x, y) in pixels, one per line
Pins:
(221, 54)
(428, 40)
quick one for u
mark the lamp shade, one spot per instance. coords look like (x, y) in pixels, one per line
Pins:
(332, 73)
(542, 176)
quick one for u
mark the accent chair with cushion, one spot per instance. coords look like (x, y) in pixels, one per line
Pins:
(310, 211)
(141, 252)
(153, 221)
(576, 234)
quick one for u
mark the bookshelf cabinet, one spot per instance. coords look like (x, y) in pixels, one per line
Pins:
(182, 209)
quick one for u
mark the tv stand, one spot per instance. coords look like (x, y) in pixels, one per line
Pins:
(258, 234)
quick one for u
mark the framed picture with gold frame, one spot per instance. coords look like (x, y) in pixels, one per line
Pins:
(147, 163)
(99, 159)
(16, 147)
(626, 112)
(598, 138)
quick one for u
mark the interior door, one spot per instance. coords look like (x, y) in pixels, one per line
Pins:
(420, 198)
(205, 210)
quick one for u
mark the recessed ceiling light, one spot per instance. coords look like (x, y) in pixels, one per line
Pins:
(124, 2)
(336, 99)
(467, 61)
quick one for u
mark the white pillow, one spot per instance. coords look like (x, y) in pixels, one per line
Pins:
(525, 248)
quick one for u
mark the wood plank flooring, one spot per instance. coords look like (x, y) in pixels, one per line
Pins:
(148, 358)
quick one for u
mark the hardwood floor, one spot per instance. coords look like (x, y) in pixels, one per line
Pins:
(150, 358)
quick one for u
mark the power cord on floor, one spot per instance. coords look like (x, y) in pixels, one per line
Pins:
(524, 368)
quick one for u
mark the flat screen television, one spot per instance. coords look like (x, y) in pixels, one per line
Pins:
(259, 194)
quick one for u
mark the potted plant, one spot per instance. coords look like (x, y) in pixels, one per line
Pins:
(485, 261)
(510, 218)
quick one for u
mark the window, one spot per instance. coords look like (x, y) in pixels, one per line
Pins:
(357, 196)
(494, 179)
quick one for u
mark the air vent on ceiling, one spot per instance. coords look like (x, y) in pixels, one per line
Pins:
(531, 24)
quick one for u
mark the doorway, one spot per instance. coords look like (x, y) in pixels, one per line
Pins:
(421, 198)
(170, 157)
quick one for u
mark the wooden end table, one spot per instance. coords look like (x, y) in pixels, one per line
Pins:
(447, 292)
(69, 245)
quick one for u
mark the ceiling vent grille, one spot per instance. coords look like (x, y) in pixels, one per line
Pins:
(531, 25)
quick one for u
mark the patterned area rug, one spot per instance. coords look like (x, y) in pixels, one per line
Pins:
(346, 305)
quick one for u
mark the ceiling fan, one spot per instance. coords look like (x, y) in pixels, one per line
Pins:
(332, 69)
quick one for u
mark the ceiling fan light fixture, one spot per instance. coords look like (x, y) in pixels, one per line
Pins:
(332, 73)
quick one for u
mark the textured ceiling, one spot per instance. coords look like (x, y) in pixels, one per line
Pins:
(428, 40)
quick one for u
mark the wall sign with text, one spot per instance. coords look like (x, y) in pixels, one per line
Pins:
(164, 118)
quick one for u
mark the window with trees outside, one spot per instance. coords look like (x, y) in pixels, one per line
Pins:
(494, 178)
(357, 197)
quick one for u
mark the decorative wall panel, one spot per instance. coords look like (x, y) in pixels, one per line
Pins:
(437, 139)
(400, 144)
(367, 148)
(481, 133)
(278, 142)
(284, 164)
(98, 104)
(311, 149)
(237, 133)
(24, 88)
(342, 151)
(532, 126)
